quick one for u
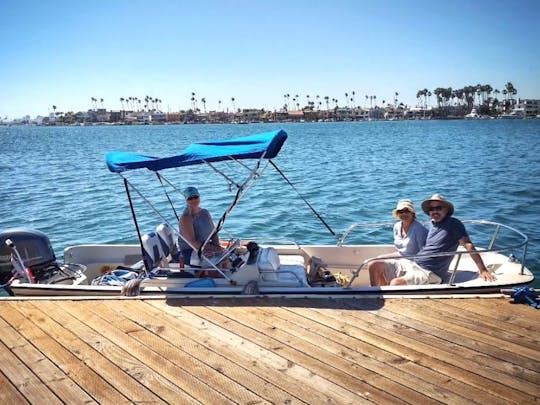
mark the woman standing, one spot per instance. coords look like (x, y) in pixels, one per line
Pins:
(409, 234)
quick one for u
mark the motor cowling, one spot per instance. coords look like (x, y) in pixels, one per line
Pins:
(35, 250)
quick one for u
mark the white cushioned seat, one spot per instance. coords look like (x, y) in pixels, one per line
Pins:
(166, 237)
(153, 252)
(271, 268)
(268, 259)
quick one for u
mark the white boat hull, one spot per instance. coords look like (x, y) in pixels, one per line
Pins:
(342, 261)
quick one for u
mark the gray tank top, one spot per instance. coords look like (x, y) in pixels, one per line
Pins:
(202, 225)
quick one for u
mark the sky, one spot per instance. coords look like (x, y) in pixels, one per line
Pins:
(63, 53)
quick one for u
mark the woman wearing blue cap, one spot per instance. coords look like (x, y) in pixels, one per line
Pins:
(196, 225)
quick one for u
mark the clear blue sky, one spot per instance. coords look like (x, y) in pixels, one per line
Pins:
(63, 53)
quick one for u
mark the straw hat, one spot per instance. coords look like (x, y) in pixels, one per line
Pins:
(440, 199)
(402, 204)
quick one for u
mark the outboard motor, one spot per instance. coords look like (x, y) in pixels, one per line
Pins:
(35, 250)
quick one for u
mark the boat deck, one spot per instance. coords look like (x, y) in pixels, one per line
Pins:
(251, 351)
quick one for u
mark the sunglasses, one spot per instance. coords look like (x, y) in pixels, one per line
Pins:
(193, 198)
(403, 211)
(436, 208)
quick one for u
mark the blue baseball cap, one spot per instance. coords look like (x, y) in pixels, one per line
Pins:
(191, 192)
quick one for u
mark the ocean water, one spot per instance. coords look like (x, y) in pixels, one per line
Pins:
(54, 179)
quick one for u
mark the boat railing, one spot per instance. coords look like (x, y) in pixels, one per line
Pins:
(354, 227)
(521, 244)
(279, 241)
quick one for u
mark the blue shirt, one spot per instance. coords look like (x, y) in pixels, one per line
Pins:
(442, 237)
(414, 240)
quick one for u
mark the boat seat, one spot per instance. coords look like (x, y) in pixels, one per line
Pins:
(167, 239)
(153, 252)
(272, 269)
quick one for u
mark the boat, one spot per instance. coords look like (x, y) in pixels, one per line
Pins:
(255, 266)
(516, 113)
(473, 115)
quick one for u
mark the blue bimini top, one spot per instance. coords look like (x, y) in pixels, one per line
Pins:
(266, 145)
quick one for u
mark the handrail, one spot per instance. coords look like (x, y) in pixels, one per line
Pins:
(274, 240)
(359, 225)
(522, 244)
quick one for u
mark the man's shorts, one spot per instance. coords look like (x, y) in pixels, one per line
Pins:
(411, 272)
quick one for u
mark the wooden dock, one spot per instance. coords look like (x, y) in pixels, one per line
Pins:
(251, 351)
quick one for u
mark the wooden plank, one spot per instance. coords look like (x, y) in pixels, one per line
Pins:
(28, 384)
(397, 368)
(262, 350)
(487, 325)
(20, 316)
(291, 377)
(9, 394)
(265, 365)
(408, 359)
(116, 360)
(514, 360)
(430, 352)
(522, 317)
(442, 340)
(207, 384)
(318, 347)
(55, 379)
(343, 384)
(434, 313)
(240, 383)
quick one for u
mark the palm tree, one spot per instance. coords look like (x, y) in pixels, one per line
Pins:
(54, 109)
(101, 101)
(346, 99)
(122, 102)
(193, 101)
(219, 104)
(326, 98)
(419, 95)
(287, 97)
(511, 90)
(233, 106)
(203, 101)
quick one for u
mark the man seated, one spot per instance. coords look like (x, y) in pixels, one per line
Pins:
(445, 235)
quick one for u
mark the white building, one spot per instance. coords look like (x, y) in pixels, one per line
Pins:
(530, 108)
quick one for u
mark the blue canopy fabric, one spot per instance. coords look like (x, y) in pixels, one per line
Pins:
(247, 147)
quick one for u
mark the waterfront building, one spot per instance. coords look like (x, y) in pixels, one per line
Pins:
(529, 108)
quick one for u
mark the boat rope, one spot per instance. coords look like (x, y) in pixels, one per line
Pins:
(168, 197)
(145, 260)
(306, 201)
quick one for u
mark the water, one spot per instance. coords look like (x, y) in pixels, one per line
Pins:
(55, 178)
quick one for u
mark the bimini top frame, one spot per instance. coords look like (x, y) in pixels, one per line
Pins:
(259, 147)
(265, 145)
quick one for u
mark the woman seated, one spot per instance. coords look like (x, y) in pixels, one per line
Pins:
(409, 234)
(196, 225)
